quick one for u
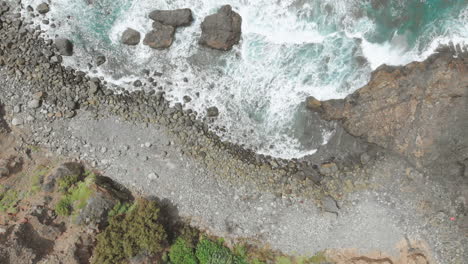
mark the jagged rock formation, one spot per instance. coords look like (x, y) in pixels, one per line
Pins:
(419, 111)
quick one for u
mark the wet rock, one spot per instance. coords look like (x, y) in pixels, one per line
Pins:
(137, 83)
(100, 60)
(131, 37)
(161, 37)
(212, 111)
(43, 8)
(313, 104)
(221, 30)
(64, 46)
(175, 18)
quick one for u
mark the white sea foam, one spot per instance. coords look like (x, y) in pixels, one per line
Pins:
(290, 49)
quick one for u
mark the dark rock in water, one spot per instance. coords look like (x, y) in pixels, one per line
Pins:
(137, 83)
(212, 111)
(187, 99)
(175, 18)
(221, 30)
(161, 37)
(64, 46)
(100, 60)
(418, 111)
(43, 8)
(131, 37)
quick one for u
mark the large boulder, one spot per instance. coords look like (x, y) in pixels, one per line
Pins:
(131, 37)
(418, 111)
(221, 30)
(64, 46)
(161, 37)
(175, 18)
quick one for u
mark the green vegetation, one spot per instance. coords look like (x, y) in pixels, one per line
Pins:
(121, 209)
(37, 177)
(67, 182)
(9, 198)
(209, 252)
(128, 235)
(182, 252)
(64, 207)
(76, 193)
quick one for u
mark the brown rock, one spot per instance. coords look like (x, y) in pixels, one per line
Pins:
(419, 111)
(175, 18)
(161, 37)
(313, 104)
(221, 30)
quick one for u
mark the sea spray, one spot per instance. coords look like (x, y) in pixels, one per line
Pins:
(289, 50)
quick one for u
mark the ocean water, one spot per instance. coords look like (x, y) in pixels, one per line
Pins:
(290, 49)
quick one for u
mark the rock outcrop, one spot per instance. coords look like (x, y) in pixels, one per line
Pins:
(221, 30)
(419, 111)
(175, 18)
(131, 37)
(161, 37)
(166, 22)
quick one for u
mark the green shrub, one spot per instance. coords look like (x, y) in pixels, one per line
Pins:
(64, 207)
(209, 252)
(121, 209)
(9, 198)
(182, 252)
(128, 235)
(66, 182)
(79, 194)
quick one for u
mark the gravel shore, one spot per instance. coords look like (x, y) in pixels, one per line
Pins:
(349, 195)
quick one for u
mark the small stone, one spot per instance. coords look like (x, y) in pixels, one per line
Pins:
(328, 168)
(330, 205)
(17, 109)
(187, 99)
(43, 8)
(212, 111)
(103, 150)
(153, 176)
(33, 104)
(131, 37)
(17, 121)
(148, 144)
(365, 158)
(100, 60)
(64, 46)
(137, 83)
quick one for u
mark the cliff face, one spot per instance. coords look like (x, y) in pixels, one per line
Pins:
(419, 111)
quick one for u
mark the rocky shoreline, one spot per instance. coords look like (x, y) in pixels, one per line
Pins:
(51, 102)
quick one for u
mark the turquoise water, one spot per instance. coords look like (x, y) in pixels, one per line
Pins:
(290, 49)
